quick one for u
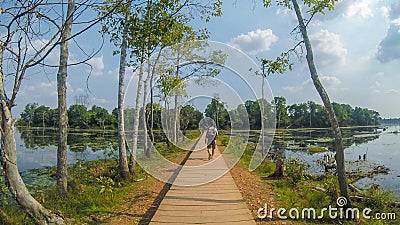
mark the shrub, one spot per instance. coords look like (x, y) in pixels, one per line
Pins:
(295, 170)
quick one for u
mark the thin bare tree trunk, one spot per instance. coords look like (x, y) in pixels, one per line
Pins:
(262, 117)
(123, 159)
(328, 106)
(176, 118)
(144, 118)
(62, 103)
(132, 161)
(8, 153)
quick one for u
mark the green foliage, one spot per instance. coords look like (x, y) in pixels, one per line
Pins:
(315, 6)
(4, 193)
(378, 197)
(316, 149)
(14, 214)
(155, 24)
(106, 185)
(282, 116)
(331, 186)
(216, 110)
(224, 139)
(278, 66)
(78, 117)
(266, 167)
(27, 114)
(190, 118)
(295, 169)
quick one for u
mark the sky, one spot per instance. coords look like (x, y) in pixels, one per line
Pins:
(356, 47)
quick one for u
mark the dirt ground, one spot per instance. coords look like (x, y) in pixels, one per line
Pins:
(255, 193)
(137, 203)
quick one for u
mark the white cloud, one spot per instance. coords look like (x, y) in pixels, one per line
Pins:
(385, 11)
(360, 7)
(328, 48)
(298, 88)
(283, 11)
(396, 22)
(350, 9)
(97, 66)
(330, 81)
(95, 100)
(52, 84)
(380, 74)
(79, 91)
(255, 41)
(393, 91)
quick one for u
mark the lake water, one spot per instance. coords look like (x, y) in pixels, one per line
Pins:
(382, 149)
(38, 149)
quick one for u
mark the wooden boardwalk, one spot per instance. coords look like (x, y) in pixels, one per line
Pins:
(216, 202)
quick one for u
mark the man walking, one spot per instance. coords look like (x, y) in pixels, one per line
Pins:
(211, 135)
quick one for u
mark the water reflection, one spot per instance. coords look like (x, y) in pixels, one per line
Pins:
(37, 148)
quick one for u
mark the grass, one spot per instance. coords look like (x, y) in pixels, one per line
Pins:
(316, 149)
(94, 188)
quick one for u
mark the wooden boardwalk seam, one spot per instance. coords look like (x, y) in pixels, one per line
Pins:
(216, 202)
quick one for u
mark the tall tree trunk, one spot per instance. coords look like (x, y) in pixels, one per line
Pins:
(262, 106)
(176, 118)
(152, 95)
(328, 105)
(175, 121)
(8, 153)
(62, 103)
(132, 161)
(146, 149)
(123, 159)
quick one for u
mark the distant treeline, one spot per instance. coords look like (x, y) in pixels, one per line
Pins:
(311, 114)
(390, 121)
(304, 115)
(78, 117)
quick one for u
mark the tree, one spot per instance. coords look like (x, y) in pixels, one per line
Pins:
(18, 23)
(78, 116)
(282, 117)
(216, 110)
(122, 16)
(62, 102)
(98, 117)
(254, 112)
(41, 116)
(28, 113)
(282, 63)
(189, 118)
(299, 115)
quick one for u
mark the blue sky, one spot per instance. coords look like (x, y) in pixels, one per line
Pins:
(357, 52)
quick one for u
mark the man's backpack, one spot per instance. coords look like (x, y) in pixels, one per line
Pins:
(211, 132)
